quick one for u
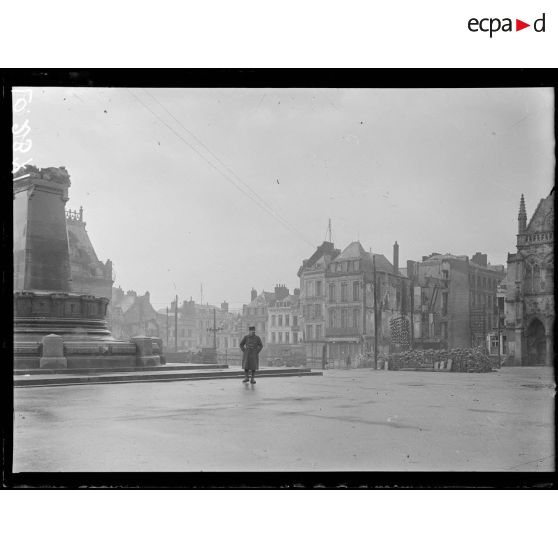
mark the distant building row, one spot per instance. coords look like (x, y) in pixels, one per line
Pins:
(443, 300)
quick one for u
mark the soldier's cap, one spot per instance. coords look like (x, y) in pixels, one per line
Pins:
(251, 328)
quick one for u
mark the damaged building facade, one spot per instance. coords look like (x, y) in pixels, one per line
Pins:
(453, 300)
(443, 301)
(130, 314)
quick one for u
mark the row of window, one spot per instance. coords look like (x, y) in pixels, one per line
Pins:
(255, 311)
(344, 267)
(312, 311)
(279, 320)
(344, 292)
(481, 299)
(344, 318)
(284, 337)
(539, 237)
(313, 288)
(485, 283)
(313, 332)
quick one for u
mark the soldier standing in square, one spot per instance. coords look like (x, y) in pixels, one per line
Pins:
(251, 345)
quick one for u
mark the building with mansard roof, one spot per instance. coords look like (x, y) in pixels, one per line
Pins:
(89, 274)
(312, 274)
(351, 279)
(337, 302)
(529, 303)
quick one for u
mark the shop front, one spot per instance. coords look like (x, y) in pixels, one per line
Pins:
(342, 352)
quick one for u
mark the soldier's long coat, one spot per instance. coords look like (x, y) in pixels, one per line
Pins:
(251, 345)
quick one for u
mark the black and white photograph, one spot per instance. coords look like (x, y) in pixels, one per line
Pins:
(283, 279)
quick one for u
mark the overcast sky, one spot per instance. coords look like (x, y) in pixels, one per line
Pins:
(436, 170)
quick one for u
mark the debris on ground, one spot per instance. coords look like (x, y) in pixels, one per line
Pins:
(455, 360)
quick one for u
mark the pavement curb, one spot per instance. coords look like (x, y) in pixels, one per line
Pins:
(124, 369)
(108, 378)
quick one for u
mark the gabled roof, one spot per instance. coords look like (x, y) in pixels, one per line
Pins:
(126, 303)
(290, 299)
(269, 297)
(326, 248)
(382, 263)
(545, 205)
(353, 251)
(265, 297)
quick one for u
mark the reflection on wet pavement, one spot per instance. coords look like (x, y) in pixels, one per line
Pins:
(334, 422)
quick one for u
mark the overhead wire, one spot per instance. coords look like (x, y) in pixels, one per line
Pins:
(254, 197)
(227, 167)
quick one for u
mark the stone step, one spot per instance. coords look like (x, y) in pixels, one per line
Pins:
(107, 377)
(82, 371)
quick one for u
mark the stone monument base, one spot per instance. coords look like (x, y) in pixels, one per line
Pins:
(53, 363)
(62, 330)
(87, 354)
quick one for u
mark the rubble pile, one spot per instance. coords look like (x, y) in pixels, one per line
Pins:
(470, 360)
(456, 360)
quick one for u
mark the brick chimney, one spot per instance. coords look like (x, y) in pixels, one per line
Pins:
(396, 257)
(480, 259)
(281, 291)
(253, 294)
(412, 269)
(225, 306)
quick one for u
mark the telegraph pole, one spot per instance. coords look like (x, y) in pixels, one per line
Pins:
(375, 313)
(412, 297)
(167, 328)
(176, 325)
(363, 310)
(499, 350)
(214, 329)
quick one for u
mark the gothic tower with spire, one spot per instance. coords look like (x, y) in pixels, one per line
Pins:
(521, 221)
(529, 303)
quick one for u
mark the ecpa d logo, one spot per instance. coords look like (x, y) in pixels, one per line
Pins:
(492, 25)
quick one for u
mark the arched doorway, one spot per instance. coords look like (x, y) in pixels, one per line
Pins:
(536, 343)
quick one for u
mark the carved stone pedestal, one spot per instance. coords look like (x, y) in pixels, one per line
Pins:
(53, 353)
